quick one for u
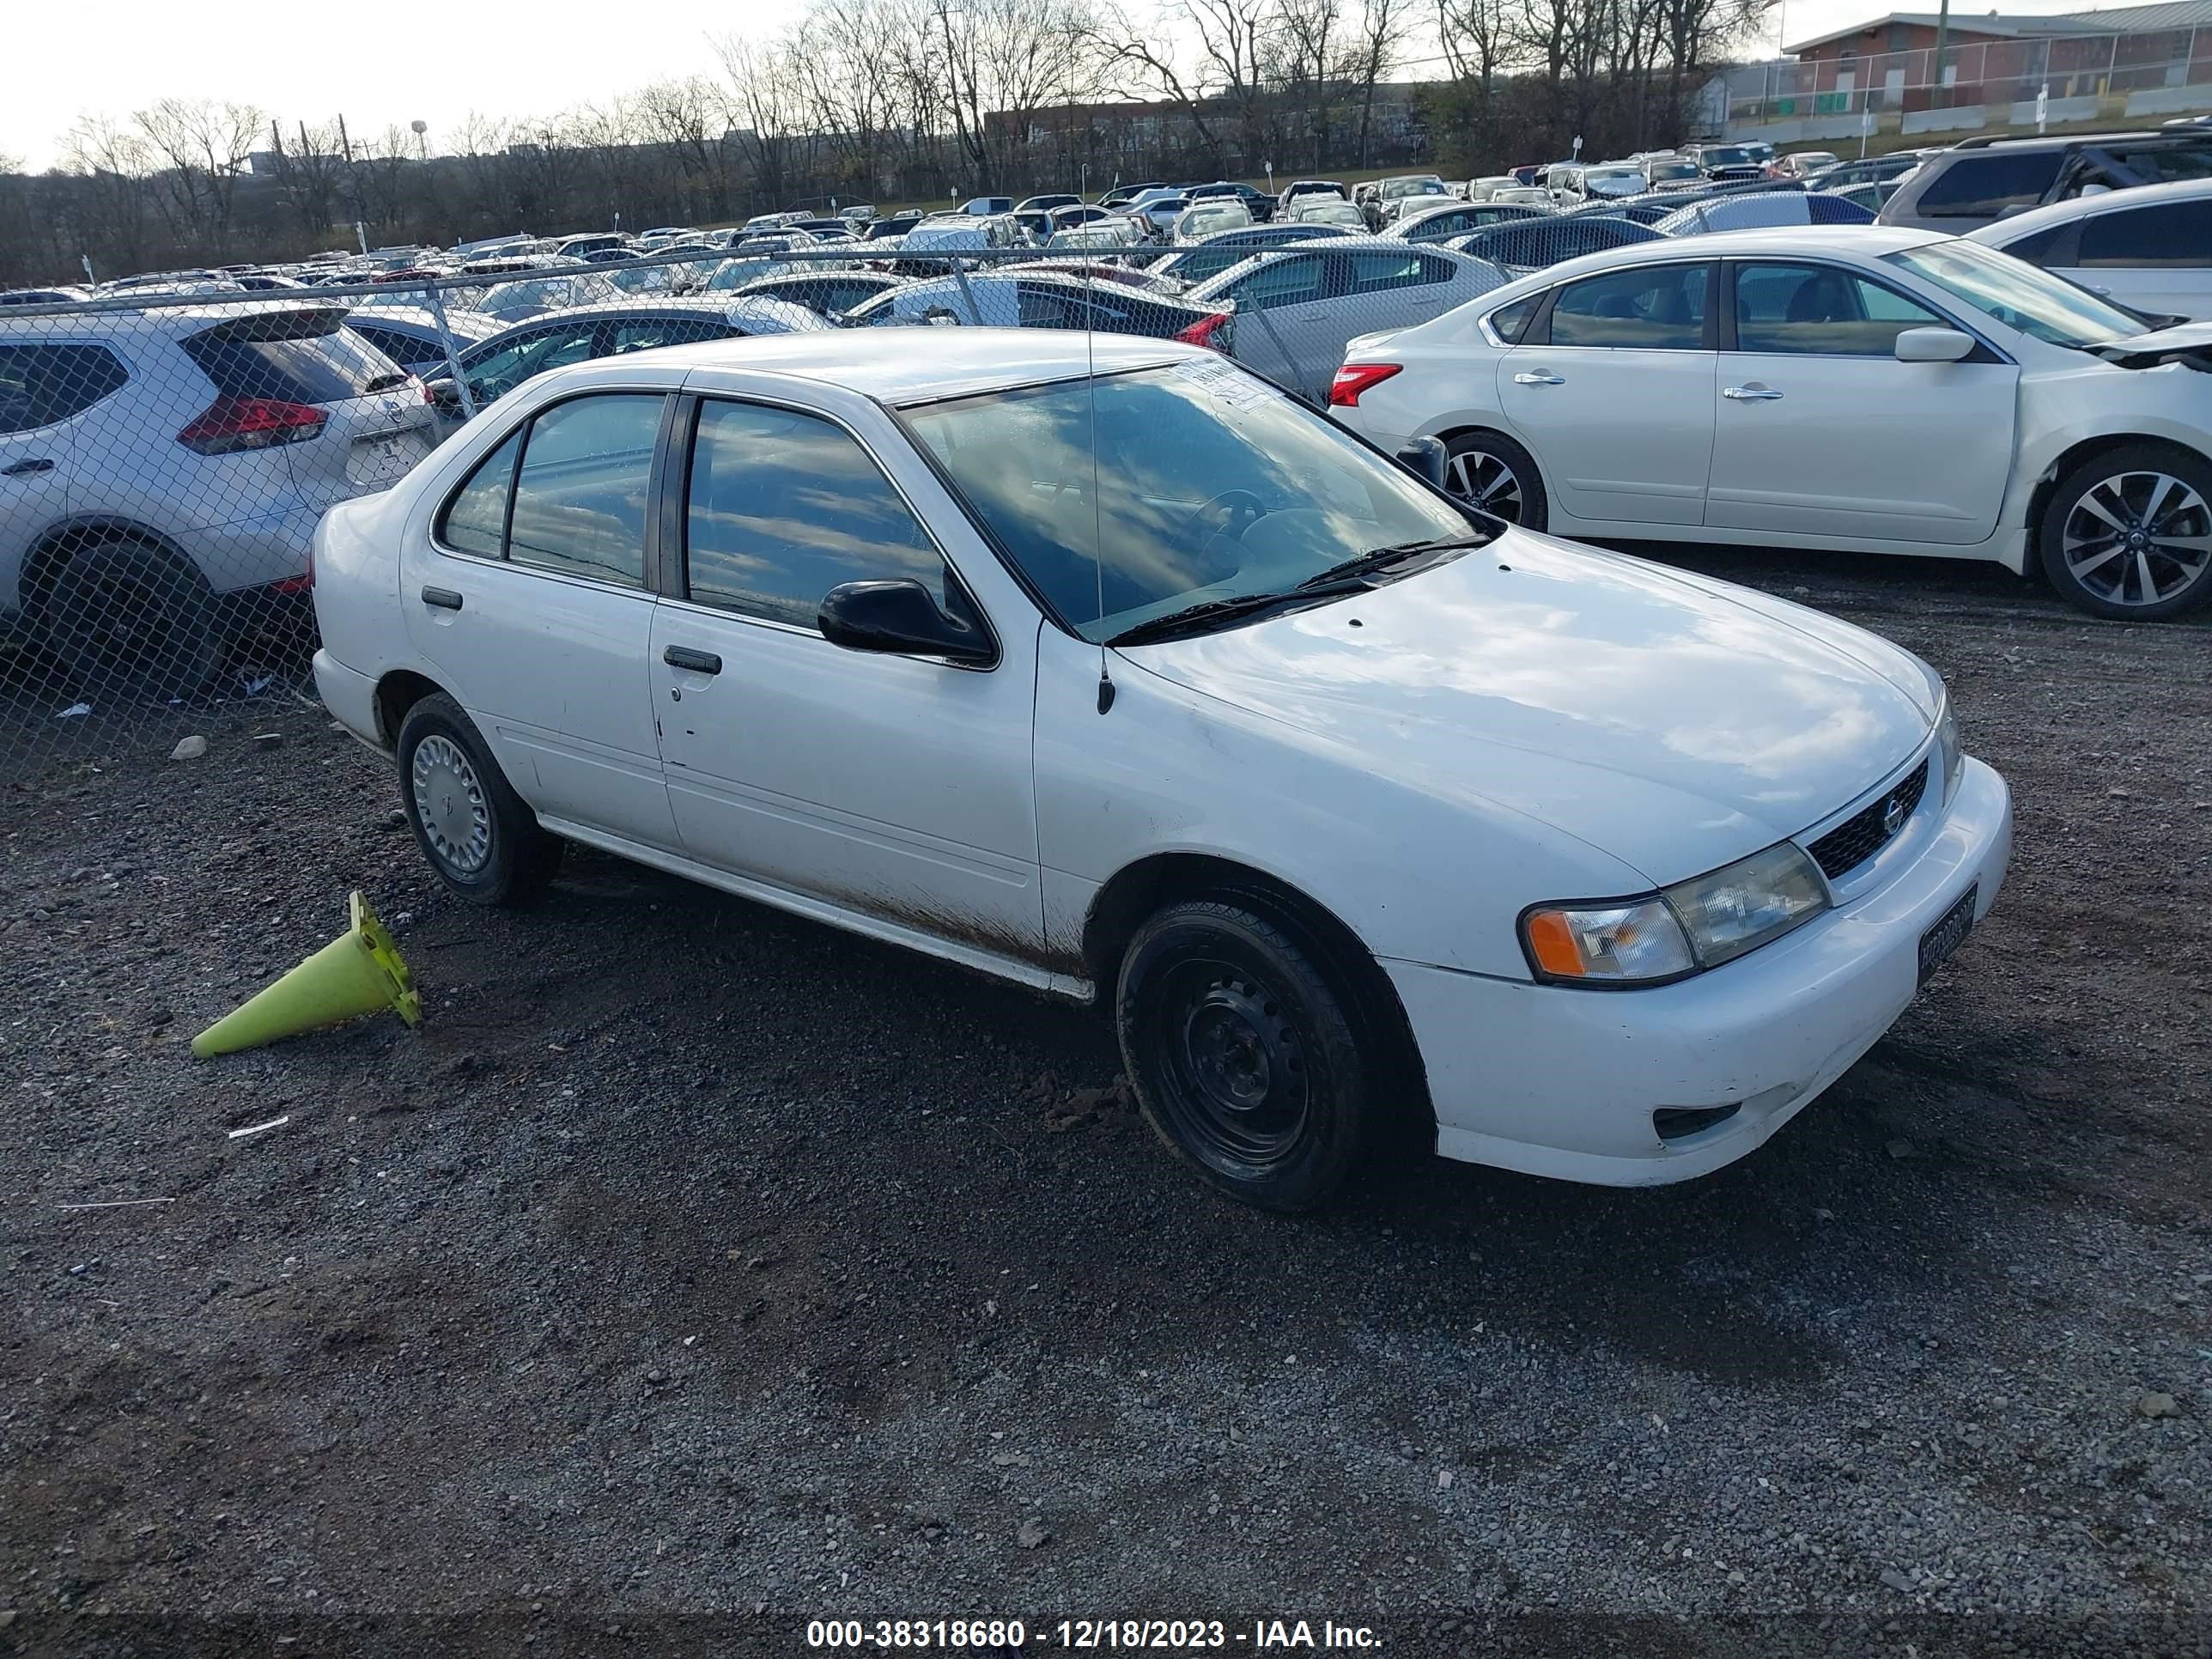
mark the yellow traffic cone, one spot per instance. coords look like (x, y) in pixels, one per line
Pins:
(359, 972)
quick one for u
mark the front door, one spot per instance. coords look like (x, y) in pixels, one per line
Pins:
(1821, 431)
(47, 393)
(895, 788)
(1616, 403)
(533, 603)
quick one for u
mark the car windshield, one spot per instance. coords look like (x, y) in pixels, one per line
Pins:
(1613, 181)
(1725, 157)
(2018, 294)
(1663, 170)
(1139, 495)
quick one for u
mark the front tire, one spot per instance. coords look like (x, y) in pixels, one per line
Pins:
(477, 833)
(1242, 1054)
(2128, 534)
(1490, 472)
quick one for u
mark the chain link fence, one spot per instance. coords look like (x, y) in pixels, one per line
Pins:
(167, 452)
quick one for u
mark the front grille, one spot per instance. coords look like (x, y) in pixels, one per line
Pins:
(1865, 833)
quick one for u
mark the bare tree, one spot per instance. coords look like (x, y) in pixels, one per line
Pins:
(205, 144)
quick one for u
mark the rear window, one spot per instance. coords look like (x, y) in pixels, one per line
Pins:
(2161, 164)
(301, 357)
(40, 384)
(1982, 186)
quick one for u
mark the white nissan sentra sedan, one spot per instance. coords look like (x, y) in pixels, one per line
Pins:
(1362, 811)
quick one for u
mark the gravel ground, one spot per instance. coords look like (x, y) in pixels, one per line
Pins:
(695, 1261)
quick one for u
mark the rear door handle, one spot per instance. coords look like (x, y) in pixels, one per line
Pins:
(1524, 378)
(699, 662)
(38, 463)
(1752, 394)
(444, 597)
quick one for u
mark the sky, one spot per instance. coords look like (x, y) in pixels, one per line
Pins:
(381, 67)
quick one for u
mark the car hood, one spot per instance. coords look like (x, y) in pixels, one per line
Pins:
(2184, 343)
(1673, 721)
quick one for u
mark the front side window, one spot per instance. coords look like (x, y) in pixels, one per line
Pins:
(42, 384)
(1820, 310)
(2171, 236)
(580, 493)
(507, 366)
(784, 507)
(1220, 487)
(1295, 281)
(1657, 307)
(2016, 294)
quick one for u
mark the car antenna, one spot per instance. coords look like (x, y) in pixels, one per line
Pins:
(1097, 514)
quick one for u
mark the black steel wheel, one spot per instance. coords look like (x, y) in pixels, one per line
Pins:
(1242, 1053)
(478, 835)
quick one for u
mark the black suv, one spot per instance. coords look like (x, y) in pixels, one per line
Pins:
(1983, 179)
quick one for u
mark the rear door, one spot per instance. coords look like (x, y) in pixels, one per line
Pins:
(1613, 393)
(1929, 446)
(49, 394)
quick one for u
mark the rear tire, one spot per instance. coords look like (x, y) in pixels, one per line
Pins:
(477, 832)
(1492, 473)
(2117, 533)
(126, 619)
(1243, 1054)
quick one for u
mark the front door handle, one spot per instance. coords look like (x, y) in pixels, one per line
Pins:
(699, 662)
(21, 468)
(1542, 378)
(1753, 393)
(443, 598)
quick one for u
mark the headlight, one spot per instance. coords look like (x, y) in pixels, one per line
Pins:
(1948, 753)
(1695, 924)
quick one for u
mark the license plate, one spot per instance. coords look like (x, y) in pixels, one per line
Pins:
(384, 460)
(1939, 941)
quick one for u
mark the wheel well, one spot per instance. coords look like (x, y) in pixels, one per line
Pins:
(2088, 449)
(1165, 878)
(43, 566)
(396, 693)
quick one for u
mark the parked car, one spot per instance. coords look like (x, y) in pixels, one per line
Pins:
(2149, 248)
(1046, 204)
(886, 665)
(45, 296)
(1726, 161)
(1868, 169)
(988, 206)
(1121, 195)
(1802, 164)
(1480, 190)
(1159, 210)
(1437, 224)
(1257, 202)
(1203, 219)
(533, 296)
(1534, 196)
(1323, 210)
(1299, 188)
(1217, 253)
(1995, 411)
(1671, 173)
(1608, 182)
(1763, 210)
(410, 335)
(1102, 234)
(162, 472)
(894, 227)
(493, 368)
(1982, 179)
(828, 292)
(1298, 306)
(1042, 298)
(1409, 192)
(1531, 245)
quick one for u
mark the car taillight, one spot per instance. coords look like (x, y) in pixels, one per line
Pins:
(1355, 378)
(1201, 333)
(230, 425)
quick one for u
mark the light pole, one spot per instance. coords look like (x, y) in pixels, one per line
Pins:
(1082, 181)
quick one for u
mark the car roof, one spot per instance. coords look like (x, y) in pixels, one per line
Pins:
(923, 365)
(1781, 241)
(2004, 232)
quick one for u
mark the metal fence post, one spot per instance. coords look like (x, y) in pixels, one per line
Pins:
(452, 358)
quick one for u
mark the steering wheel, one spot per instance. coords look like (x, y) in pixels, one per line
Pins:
(1240, 509)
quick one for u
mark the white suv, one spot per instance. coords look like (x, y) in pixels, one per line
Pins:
(162, 469)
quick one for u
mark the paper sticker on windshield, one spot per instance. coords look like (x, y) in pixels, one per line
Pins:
(1226, 381)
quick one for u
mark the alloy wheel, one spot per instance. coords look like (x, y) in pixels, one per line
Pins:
(1484, 481)
(2137, 538)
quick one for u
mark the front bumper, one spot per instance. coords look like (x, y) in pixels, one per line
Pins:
(1555, 1081)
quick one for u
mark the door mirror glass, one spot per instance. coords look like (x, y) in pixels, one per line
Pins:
(900, 618)
(1933, 345)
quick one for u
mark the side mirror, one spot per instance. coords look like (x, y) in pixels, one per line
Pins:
(443, 395)
(900, 618)
(1425, 458)
(1933, 345)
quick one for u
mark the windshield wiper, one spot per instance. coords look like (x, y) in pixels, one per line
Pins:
(1382, 558)
(1207, 614)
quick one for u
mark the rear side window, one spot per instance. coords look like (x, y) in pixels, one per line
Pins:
(1371, 273)
(2171, 236)
(40, 384)
(476, 518)
(402, 349)
(1295, 281)
(580, 493)
(1981, 187)
(293, 357)
(1661, 307)
(1509, 323)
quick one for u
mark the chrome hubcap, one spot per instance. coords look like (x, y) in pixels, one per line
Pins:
(2137, 538)
(1482, 480)
(449, 802)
